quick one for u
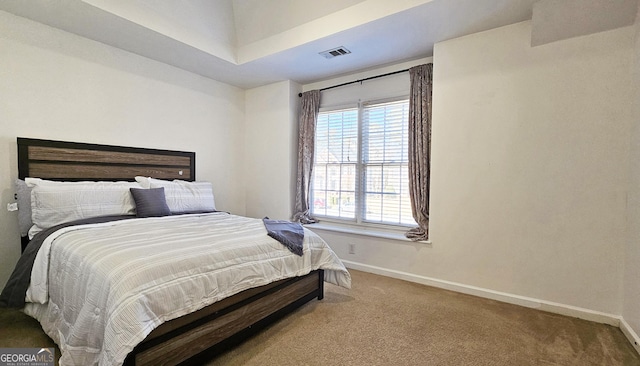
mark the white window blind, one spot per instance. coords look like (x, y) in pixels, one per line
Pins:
(385, 163)
(360, 172)
(335, 170)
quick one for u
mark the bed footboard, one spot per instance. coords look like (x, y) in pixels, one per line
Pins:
(216, 327)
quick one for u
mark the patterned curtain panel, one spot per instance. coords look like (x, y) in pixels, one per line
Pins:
(420, 148)
(309, 107)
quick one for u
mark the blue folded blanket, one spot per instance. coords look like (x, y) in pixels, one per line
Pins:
(290, 234)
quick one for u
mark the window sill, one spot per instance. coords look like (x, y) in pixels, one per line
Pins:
(366, 231)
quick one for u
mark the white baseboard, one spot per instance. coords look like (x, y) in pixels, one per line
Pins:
(631, 335)
(548, 306)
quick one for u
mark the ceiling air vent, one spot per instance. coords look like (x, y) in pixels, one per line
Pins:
(334, 52)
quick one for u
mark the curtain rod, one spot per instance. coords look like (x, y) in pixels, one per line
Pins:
(361, 80)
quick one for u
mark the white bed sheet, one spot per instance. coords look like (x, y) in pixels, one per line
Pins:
(109, 285)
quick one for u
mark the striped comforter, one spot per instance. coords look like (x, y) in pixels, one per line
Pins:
(100, 289)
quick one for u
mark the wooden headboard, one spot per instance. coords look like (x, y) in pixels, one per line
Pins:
(72, 161)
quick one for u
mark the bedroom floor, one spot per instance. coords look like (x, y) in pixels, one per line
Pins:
(384, 321)
(18, 330)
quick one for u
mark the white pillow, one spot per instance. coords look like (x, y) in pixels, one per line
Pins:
(183, 196)
(145, 182)
(54, 203)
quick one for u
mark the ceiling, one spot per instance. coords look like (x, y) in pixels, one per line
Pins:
(377, 32)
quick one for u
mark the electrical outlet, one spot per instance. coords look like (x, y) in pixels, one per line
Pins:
(12, 206)
(352, 248)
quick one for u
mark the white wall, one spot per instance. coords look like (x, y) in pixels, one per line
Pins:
(631, 311)
(55, 85)
(530, 154)
(271, 139)
(529, 170)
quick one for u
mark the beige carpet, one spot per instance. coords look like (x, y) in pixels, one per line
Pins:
(384, 321)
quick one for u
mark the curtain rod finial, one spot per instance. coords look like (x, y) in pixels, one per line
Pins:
(299, 94)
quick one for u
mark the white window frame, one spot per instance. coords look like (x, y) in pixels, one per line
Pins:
(360, 182)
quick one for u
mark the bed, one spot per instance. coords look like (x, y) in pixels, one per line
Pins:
(216, 292)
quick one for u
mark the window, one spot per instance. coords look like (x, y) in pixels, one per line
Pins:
(360, 171)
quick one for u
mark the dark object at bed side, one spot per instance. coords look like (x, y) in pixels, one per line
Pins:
(14, 293)
(209, 330)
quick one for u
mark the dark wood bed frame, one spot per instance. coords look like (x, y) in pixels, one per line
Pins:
(197, 336)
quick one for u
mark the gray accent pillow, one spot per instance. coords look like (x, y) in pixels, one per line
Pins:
(23, 193)
(150, 202)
